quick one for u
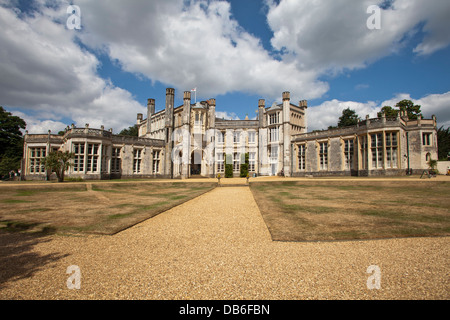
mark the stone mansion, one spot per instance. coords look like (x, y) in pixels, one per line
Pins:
(189, 140)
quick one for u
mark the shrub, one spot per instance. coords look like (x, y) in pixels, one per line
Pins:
(228, 171)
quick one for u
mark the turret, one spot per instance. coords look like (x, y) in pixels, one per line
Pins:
(261, 107)
(211, 113)
(150, 112)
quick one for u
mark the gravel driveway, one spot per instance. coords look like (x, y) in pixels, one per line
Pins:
(218, 247)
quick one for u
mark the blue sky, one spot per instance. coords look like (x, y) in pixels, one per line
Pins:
(234, 51)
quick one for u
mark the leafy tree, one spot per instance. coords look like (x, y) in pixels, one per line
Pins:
(131, 131)
(412, 110)
(443, 137)
(58, 162)
(348, 118)
(388, 111)
(11, 141)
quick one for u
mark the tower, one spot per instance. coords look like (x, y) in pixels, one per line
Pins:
(286, 160)
(150, 112)
(261, 107)
(170, 100)
(211, 113)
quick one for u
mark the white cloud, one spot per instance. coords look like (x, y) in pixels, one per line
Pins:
(45, 72)
(226, 115)
(327, 113)
(197, 43)
(192, 44)
(331, 36)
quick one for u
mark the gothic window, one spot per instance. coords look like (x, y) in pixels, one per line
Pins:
(301, 157)
(236, 137)
(236, 161)
(137, 160)
(220, 162)
(364, 152)
(391, 149)
(251, 137)
(37, 156)
(274, 134)
(115, 160)
(427, 139)
(377, 150)
(348, 153)
(156, 161)
(251, 161)
(92, 157)
(78, 161)
(323, 155)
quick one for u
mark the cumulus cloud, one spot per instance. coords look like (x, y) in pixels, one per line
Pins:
(327, 113)
(45, 72)
(191, 44)
(331, 36)
(197, 43)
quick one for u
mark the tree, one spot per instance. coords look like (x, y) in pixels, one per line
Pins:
(443, 138)
(389, 112)
(58, 162)
(348, 118)
(11, 141)
(131, 131)
(411, 109)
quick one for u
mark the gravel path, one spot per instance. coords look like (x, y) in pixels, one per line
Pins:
(218, 247)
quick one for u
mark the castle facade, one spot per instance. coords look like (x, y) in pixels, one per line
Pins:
(189, 140)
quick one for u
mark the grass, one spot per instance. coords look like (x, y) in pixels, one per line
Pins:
(343, 210)
(101, 208)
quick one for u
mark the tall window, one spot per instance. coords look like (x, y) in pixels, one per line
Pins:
(115, 160)
(220, 162)
(391, 149)
(198, 118)
(377, 150)
(92, 157)
(236, 137)
(251, 161)
(78, 161)
(236, 161)
(301, 157)
(364, 152)
(274, 118)
(274, 134)
(156, 161)
(220, 137)
(274, 154)
(348, 153)
(427, 139)
(137, 159)
(323, 155)
(36, 158)
(251, 137)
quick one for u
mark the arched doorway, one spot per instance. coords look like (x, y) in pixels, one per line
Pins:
(196, 162)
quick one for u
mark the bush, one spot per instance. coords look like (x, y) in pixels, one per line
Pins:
(244, 167)
(228, 171)
(244, 170)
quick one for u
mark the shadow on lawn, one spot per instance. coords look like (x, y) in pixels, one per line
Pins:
(17, 257)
